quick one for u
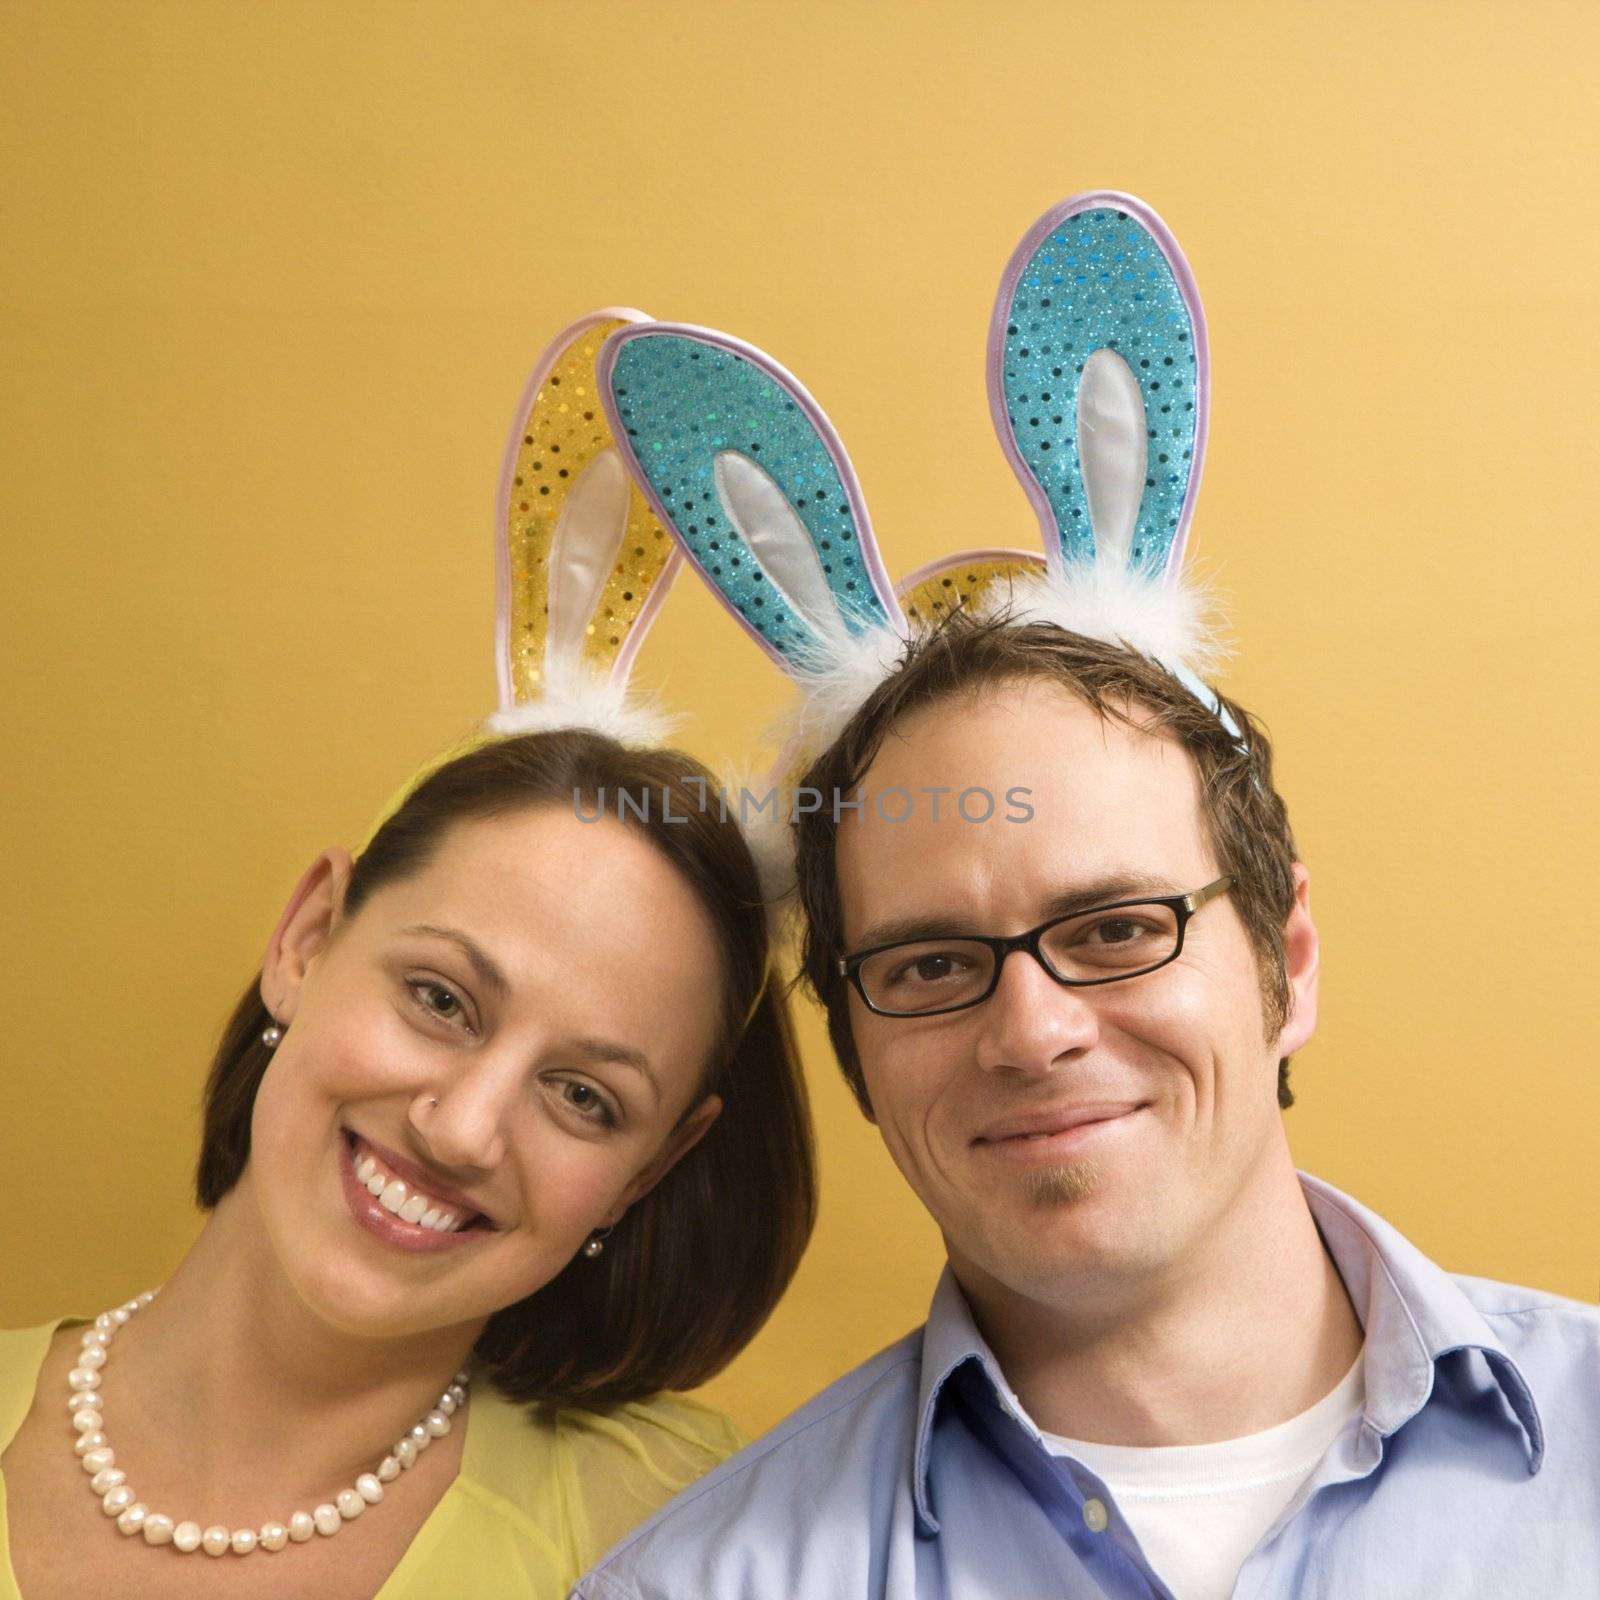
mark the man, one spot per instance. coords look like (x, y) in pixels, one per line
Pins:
(1160, 1363)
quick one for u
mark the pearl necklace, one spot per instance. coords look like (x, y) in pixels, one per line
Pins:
(110, 1482)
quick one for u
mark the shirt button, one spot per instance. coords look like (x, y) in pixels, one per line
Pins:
(1095, 1516)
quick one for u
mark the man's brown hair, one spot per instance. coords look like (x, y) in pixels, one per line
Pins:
(1245, 820)
(696, 1266)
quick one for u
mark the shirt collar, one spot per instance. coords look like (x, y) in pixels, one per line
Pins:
(1413, 1313)
(950, 1341)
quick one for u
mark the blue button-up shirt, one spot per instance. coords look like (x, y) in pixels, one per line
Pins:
(1474, 1469)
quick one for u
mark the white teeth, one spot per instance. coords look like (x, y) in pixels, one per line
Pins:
(397, 1196)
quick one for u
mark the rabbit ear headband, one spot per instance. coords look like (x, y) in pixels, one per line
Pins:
(582, 563)
(1098, 384)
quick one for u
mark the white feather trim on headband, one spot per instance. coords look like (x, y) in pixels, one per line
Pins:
(575, 698)
(836, 681)
(1173, 623)
(761, 803)
(770, 837)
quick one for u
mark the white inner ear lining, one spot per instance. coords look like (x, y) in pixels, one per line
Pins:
(588, 539)
(1113, 451)
(778, 540)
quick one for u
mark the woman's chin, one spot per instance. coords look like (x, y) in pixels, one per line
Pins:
(364, 1302)
(365, 1290)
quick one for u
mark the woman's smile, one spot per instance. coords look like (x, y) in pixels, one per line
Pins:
(401, 1212)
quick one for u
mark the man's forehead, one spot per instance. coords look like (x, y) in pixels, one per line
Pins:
(1035, 735)
(1019, 704)
(1019, 791)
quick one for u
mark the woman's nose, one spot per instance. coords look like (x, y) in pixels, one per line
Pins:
(462, 1122)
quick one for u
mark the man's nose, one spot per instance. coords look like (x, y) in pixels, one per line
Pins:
(1031, 1021)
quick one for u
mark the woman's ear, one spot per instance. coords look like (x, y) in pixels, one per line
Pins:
(679, 1143)
(1301, 958)
(303, 932)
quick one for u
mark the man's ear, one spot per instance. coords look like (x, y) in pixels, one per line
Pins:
(303, 932)
(679, 1143)
(1300, 958)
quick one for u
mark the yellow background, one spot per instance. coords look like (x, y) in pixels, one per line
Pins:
(273, 277)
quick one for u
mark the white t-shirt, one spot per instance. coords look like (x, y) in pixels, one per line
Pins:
(1198, 1510)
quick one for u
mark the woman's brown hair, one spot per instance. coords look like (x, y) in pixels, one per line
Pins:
(698, 1264)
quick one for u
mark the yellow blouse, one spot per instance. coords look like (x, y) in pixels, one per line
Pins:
(538, 1500)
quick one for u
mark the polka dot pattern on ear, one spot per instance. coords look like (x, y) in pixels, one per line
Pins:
(927, 598)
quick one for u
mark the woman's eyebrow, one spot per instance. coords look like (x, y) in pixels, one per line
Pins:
(482, 962)
(624, 1055)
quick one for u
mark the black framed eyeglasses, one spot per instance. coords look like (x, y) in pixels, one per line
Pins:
(1104, 944)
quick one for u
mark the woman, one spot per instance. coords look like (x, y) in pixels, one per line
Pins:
(512, 1112)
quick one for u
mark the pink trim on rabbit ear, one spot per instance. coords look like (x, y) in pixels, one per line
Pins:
(1183, 279)
(562, 528)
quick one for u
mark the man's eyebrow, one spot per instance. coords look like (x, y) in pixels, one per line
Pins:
(1107, 891)
(1081, 897)
(482, 962)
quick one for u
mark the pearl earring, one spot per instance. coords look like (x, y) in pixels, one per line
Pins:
(595, 1243)
(272, 1036)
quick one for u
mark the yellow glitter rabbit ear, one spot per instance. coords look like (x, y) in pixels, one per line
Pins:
(983, 578)
(584, 563)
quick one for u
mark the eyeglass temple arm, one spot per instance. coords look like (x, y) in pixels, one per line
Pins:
(1193, 902)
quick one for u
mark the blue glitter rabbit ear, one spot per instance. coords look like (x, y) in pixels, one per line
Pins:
(1099, 383)
(750, 476)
